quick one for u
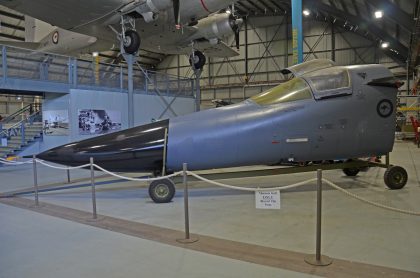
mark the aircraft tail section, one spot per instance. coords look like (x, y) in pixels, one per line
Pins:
(62, 41)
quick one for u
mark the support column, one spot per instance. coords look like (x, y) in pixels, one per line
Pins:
(332, 42)
(4, 63)
(197, 90)
(130, 61)
(286, 45)
(246, 50)
(297, 31)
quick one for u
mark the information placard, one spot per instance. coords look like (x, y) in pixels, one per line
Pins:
(267, 199)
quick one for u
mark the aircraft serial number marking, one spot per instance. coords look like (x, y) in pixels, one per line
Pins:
(297, 140)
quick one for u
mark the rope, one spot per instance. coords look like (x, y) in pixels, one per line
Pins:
(248, 188)
(12, 162)
(352, 195)
(135, 179)
(409, 212)
(61, 168)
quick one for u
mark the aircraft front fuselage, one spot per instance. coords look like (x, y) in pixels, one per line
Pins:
(299, 125)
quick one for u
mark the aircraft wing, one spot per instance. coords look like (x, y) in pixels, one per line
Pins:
(67, 14)
(26, 45)
(219, 50)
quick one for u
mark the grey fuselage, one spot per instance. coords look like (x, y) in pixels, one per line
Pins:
(308, 130)
(354, 124)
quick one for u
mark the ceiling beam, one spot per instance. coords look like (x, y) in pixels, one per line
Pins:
(278, 6)
(252, 3)
(12, 37)
(270, 8)
(368, 25)
(394, 13)
(15, 16)
(356, 8)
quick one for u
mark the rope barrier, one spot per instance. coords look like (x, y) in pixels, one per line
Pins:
(12, 162)
(333, 185)
(62, 168)
(410, 212)
(248, 188)
(136, 179)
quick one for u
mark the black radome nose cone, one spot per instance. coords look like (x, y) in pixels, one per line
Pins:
(131, 150)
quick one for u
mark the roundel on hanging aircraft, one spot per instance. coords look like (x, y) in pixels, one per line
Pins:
(55, 37)
(385, 108)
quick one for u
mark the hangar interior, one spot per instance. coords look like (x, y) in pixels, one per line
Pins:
(66, 222)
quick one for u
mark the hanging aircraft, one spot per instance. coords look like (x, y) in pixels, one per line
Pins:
(167, 26)
(325, 112)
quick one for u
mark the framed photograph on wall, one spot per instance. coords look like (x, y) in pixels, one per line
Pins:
(93, 121)
(55, 122)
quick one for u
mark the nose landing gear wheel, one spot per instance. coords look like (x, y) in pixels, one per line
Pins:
(197, 60)
(162, 191)
(351, 172)
(395, 177)
(131, 42)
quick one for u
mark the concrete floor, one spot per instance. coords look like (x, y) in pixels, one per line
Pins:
(38, 245)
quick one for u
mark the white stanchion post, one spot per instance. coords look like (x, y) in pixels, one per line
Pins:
(318, 259)
(92, 182)
(187, 238)
(35, 180)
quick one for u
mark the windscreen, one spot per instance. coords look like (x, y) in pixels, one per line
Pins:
(329, 79)
(292, 90)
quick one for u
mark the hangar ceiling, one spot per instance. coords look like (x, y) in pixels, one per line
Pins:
(399, 26)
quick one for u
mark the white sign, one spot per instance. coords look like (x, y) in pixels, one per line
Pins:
(267, 199)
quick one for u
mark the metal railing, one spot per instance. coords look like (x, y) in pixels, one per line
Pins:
(18, 129)
(28, 109)
(72, 73)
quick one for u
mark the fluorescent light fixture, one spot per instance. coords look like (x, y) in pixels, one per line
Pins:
(306, 12)
(384, 44)
(95, 54)
(379, 14)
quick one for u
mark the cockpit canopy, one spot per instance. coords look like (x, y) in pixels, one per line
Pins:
(292, 90)
(309, 66)
(317, 79)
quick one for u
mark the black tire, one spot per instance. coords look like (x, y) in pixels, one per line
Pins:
(197, 60)
(162, 191)
(351, 172)
(395, 177)
(132, 42)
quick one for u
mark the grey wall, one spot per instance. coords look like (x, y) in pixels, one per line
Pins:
(146, 108)
(151, 107)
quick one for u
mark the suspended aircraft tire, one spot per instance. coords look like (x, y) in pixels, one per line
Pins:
(162, 191)
(395, 177)
(197, 60)
(132, 42)
(351, 172)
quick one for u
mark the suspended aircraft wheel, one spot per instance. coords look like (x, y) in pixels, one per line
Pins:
(351, 172)
(395, 177)
(131, 42)
(197, 60)
(162, 191)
